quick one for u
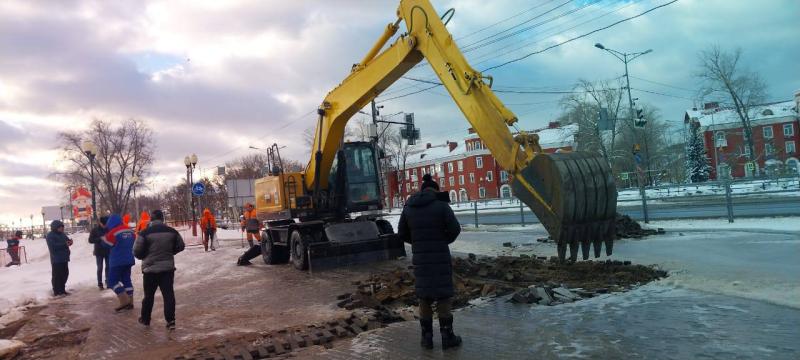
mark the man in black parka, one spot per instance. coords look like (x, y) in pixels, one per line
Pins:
(429, 225)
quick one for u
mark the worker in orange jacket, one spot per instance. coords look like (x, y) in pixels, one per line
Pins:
(251, 224)
(144, 221)
(208, 224)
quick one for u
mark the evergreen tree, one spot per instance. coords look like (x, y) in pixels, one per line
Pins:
(697, 167)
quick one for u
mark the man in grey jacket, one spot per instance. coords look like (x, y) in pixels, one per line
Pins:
(157, 246)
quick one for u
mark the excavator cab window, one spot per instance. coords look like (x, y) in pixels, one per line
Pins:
(362, 176)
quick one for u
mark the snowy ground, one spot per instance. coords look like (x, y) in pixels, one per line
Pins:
(29, 284)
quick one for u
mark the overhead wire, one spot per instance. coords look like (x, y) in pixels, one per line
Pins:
(579, 36)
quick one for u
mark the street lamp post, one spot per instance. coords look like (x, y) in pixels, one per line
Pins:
(90, 150)
(191, 163)
(626, 58)
(134, 180)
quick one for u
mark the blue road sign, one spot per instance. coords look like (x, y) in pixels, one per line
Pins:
(637, 158)
(198, 189)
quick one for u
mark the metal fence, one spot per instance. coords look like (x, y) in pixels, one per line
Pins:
(716, 199)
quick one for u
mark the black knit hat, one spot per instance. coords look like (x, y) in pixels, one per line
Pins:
(427, 182)
(157, 215)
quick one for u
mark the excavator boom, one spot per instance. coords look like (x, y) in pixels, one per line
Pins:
(573, 194)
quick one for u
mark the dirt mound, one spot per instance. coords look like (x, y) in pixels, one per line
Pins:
(629, 228)
(476, 277)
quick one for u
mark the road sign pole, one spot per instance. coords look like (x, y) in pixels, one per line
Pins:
(728, 201)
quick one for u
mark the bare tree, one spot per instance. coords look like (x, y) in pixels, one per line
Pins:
(124, 150)
(723, 77)
(398, 151)
(582, 108)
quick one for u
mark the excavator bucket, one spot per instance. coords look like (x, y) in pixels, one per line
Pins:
(580, 190)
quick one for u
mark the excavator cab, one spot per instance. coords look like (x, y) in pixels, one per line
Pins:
(359, 189)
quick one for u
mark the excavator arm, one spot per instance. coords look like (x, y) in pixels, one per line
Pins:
(573, 194)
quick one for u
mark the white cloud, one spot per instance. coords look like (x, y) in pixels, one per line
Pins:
(216, 77)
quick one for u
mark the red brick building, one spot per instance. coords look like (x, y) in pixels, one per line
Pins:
(776, 137)
(466, 169)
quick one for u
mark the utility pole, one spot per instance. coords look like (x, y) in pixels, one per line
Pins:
(626, 58)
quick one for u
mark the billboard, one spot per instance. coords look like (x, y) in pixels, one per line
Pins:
(55, 212)
(81, 204)
(240, 192)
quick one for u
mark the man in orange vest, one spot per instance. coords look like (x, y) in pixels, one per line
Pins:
(208, 224)
(251, 224)
(144, 220)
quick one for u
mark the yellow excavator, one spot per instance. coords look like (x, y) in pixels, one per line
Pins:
(329, 214)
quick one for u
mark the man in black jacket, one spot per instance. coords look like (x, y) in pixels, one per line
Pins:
(100, 252)
(157, 246)
(58, 244)
(429, 225)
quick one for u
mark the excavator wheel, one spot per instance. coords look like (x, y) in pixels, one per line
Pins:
(580, 189)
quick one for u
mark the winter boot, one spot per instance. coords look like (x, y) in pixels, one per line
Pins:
(125, 302)
(449, 339)
(426, 326)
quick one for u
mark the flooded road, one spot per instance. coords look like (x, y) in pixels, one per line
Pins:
(730, 295)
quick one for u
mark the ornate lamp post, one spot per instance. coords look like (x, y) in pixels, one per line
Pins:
(191, 163)
(90, 150)
(134, 180)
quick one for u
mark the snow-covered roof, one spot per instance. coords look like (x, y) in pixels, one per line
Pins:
(720, 116)
(548, 139)
(557, 136)
(422, 155)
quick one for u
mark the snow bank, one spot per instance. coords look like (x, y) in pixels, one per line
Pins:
(781, 224)
(30, 283)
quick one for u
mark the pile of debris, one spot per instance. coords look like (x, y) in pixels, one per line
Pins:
(531, 279)
(629, 228)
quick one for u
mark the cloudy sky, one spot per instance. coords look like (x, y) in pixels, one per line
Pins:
(215, 77)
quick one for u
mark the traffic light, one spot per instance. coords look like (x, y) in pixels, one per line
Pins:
(409, 132)
(639, 121)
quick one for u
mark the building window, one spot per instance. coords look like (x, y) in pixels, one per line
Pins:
(479, 161)
(503, 176)
(746, 151)
(478, 145)
(489, 176)
(415, 186)
(408, 187)
(460, 165)
(451, 181)
(769, 149)
(481, 192)
(408, 175)
(414, 172)
(471, 178)
(460, 179)
(505, 191)
(790, 147)
(422, 170)
(767, 112)
(462, 195)
(431, 170)
(453, 196)
(450, 167)
(767, 130)
(721, 141)
(788, 130)
(439, 169)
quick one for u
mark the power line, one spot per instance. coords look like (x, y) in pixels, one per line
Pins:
(662, 94)
(493, 54)
(567, 13)
(504, 20)
(590, 20)
(663, 84)
(578, 37)
(520, 24)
